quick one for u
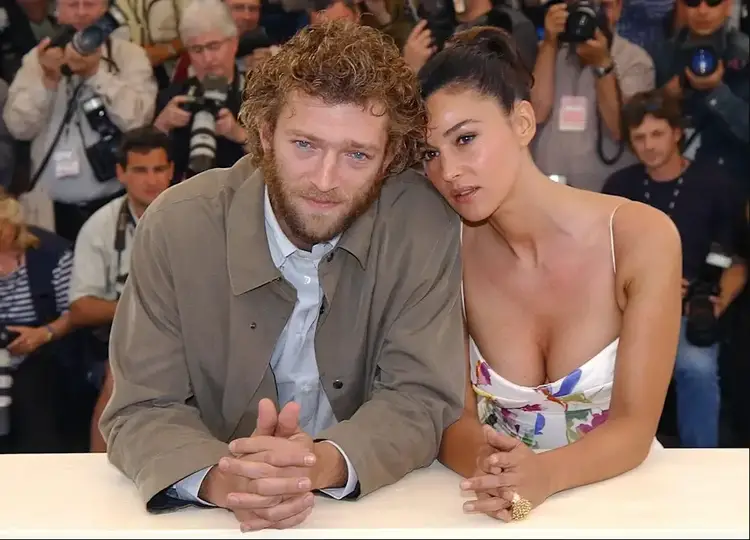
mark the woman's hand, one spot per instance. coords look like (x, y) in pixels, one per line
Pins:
(29, 340)
(507, 468)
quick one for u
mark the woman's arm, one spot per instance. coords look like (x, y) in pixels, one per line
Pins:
(649, 268)
(462, 440)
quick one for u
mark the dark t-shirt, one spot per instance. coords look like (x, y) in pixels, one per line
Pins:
(707, 208)
(227, 152)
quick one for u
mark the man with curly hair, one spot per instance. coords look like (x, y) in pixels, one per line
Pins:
(318, 276)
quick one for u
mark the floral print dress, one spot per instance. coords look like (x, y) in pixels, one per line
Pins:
(550, 415)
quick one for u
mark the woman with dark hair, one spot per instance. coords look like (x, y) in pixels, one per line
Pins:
(572, 298)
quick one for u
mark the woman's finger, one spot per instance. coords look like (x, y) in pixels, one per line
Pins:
(491, 481)
(490, 505)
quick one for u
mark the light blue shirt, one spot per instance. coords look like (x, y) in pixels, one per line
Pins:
(293, 361)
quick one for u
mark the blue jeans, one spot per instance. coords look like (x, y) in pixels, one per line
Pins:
(696, 377)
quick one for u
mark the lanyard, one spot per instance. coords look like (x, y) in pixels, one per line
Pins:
(673, 199)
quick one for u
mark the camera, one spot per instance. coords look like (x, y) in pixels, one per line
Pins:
(440, 16)
(88, 40)
(702, 329)
(102, 156)
(6, 378)
(251, 40)
(584, 17)
(204, 103)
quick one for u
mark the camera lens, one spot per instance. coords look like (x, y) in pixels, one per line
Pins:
(703, 61)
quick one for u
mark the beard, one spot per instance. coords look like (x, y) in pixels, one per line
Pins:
(306, 226)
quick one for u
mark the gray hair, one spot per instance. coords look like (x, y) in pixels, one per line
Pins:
(201, 16)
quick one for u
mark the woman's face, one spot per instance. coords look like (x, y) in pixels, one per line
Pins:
(474, 150)
(8, 233)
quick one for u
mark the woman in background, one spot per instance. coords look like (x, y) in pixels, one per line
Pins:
(572, 298)
(35, 268)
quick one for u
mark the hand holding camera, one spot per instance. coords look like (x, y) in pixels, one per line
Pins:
(227, 127)
(705, 83)
(419, 46)
(554, 22)
(595, 52)
(83, 65)
(174, 115)
(51, 60)
(27, 339)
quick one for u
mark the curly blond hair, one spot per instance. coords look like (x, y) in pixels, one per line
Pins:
(339, 62)
(11, 212)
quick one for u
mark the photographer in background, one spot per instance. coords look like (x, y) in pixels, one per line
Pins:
(102, 252)
(72, 107)
(584, 72)
(705, 66)
(707, 210)
(440, 19)
(197, 122)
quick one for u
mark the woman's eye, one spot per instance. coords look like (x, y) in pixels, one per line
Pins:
(429, 155)
(465, 139)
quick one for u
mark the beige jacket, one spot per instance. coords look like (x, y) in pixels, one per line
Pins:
(204, 306)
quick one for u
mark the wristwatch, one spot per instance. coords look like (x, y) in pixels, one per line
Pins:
(602, 71)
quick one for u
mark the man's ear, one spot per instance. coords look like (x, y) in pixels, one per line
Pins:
(523, 121)
(266, 137)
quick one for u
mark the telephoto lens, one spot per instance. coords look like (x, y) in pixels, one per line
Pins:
(582, 22)
(704, 61)
(6, 381)
(203, 131)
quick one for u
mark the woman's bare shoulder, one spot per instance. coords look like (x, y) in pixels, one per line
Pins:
(643, 235)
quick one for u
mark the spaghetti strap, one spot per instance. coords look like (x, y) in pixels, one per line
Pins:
(612, 234)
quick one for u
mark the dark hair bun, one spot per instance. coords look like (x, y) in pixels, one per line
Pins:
(484, 58)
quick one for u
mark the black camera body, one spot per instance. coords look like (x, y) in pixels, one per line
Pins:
(584, 18)
(702, 328)
(7, 337)
(88, 40)
(102, 156)
(440, 16)
(204, 103)
(254, 39)
(700, 55)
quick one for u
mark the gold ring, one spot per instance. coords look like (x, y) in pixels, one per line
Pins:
(520, 508)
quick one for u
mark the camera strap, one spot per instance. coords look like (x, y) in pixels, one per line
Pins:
(70, 109)
(124, 220)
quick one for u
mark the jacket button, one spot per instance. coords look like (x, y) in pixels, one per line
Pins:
(253, 326)
(337, 384)
(330, 257)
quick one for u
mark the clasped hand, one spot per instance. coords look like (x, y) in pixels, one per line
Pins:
(267, 483)
(505, 466)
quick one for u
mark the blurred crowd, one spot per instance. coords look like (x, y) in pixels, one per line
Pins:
(105, 105)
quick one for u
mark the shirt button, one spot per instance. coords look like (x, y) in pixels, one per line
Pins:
(712, 102)
(337, 384)
(721, 161)
(308, 279)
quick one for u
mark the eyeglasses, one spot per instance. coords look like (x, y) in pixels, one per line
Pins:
(250, 8)
(696, 3)
(211, 46)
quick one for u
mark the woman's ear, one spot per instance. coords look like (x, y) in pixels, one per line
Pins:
(523, 121)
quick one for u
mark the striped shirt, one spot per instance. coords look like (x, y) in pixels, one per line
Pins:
(16, 303)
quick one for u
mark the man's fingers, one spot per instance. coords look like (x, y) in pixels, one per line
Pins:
(288, 508)
(288, 421)
(280, 486)
(257, 523)
(267, 418)
(275, 451)
(248, 468)
(251, 501)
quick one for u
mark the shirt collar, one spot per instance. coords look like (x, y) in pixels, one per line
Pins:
(280, 246)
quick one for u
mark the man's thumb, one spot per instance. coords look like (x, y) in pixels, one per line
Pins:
(267, 419)
(288, 424)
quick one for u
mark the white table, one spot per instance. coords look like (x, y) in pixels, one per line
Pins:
(675, 493)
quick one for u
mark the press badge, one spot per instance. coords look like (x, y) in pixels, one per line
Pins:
(573, 113)
(67, 163)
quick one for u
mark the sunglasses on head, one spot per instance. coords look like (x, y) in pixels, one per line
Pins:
(696, 3)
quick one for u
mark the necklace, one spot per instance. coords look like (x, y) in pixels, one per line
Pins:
(9, 263)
